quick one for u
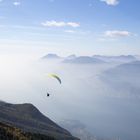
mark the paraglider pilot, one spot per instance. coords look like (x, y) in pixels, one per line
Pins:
(48, 94)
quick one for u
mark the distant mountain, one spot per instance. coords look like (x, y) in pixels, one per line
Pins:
(121, 58)
(71, 56)
(83, 60)
(51, 56)
(94, 59)
(126, 70)
(10, 132)
(29, 118)
(124, 77)
(137, 57)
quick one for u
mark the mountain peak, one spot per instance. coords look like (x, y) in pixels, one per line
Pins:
(51, 56)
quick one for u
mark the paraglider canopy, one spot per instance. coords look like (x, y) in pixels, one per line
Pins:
(56, 77)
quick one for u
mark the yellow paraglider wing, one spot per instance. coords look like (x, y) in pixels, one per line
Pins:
(56, 77)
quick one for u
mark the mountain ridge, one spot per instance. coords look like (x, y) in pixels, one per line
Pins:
(28, 117)
(90, 59)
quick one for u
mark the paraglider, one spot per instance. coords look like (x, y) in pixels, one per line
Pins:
(56, 77)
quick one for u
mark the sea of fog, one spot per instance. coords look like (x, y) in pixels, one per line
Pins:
(83, 96)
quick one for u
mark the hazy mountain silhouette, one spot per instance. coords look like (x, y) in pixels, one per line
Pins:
(51, 56)
(29, 118)
(71, 56)
(125, 70)
(121, 58)
(94, 59)
(124, 77)
(83, 60)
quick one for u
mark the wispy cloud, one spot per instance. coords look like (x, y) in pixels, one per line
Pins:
(73, 24)
(111, 2)
(70, 31)
(117, 33)
(114, 35)
(54, 23)
(104, 39)
(16, 3)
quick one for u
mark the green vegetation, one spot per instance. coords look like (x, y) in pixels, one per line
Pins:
(9, 132)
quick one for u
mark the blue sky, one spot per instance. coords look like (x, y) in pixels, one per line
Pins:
(83, 27)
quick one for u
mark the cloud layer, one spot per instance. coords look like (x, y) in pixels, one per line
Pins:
(111, 2)
(54, 23)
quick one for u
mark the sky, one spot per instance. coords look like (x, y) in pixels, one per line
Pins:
(33, 28)
(83, 27)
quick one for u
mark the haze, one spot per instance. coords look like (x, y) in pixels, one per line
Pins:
(101, 88)
(84, 95)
